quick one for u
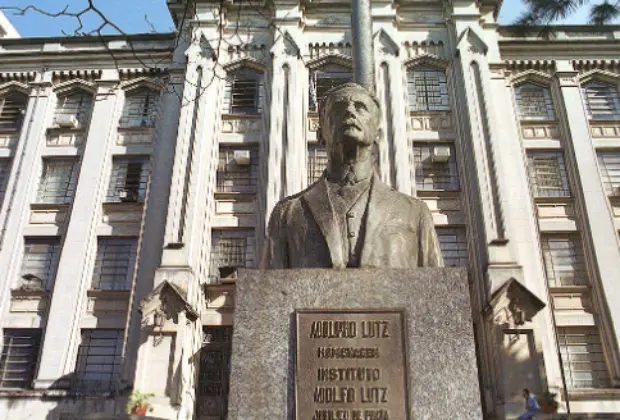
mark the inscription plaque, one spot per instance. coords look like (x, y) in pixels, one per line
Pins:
(350, 365)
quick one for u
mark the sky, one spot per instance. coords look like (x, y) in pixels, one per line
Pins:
(142, 16)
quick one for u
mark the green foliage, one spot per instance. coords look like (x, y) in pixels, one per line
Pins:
(540, 14)
(548, 398)
(137, 399)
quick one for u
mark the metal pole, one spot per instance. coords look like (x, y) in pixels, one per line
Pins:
(363, 54)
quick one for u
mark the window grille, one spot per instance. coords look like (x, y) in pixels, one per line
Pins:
(5, 172)
(128, 180)
(427, 90)
(99, 360)
(453, 244)
(78, 105)
(140, 109)
(317, 162)
(12, 110)
(609, 167)
(547, 174)
(114, 264)
(231, 249)
(432, 173)
(234, 173)
(244, 93)
(40, 262)
(534, 102)
(323, 80)
(564, 260)
(58, 181)
(20, 353)
(602, 100)
(582, 358)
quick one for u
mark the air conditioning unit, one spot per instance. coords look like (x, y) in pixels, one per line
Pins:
(441, 154)
(67, 121)
(128, 195)
(242, 157)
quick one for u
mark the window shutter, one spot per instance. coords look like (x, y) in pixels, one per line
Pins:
(547, 174)
(12, 110)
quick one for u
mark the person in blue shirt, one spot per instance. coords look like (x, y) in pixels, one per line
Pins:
(531, 406)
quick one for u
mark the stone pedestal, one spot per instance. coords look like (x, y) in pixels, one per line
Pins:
(439, 350)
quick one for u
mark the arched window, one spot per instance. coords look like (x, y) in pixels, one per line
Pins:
(244, 92)
(534, 102)
(602, 100)
(325, 78)
(73, 110)
(12, 110)
(140, 109)
(427, 90)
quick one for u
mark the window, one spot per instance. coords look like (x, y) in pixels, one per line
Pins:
(547, 174)
(12, 110)
(324, 79)
(427, 90)
(231, 249)
(435, 167)
(40, 262)
(20, 352)
(58, 181)
(602, 100)
(73, 110)
(128, 180)
(564, 261)
(244, 93)
(5, 172)
(237, 171)
(99, 360)
(114, 264)
(140, 109)
(609, 167)
(317, 162)
(453, 244)
(582, 358)
(534, 102)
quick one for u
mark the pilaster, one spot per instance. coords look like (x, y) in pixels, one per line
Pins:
(601, 235)
(72, 277)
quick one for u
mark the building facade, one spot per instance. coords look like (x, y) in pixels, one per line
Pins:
(138, 173)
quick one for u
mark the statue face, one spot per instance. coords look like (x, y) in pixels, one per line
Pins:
(351, 116)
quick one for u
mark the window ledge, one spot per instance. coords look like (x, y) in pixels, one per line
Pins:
(228, 116)
(136, 129)
(437, 193)
(107, 293)
(595, 394)
(50, 393)
(537, 121)
(121, 205)
(9, 130)
(429, 112)
(554, 200)
(58, 130)
(569, 289)
(28, 292)
(49, 206)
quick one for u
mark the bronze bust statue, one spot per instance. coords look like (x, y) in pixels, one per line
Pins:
(350, 218)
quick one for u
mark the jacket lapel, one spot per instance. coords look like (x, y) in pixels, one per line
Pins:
(320, 206)
(378, 211)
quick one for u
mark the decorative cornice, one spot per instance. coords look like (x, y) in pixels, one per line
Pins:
(24, 76)
(428, 60)
(247, 62)
(14, 86)
(585, 65)
(141, 72)
(75, 84)
(415, 48)
(154, 84)
(531, 76)
(337, 59)
(62, 75)
(320, 49)
(599, 75)
(530, 64)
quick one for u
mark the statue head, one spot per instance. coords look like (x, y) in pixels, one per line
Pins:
(349, 116)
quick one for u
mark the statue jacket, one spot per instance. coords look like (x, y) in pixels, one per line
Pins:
(398, 231)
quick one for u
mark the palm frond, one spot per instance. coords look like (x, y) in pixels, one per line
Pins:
(603, 13)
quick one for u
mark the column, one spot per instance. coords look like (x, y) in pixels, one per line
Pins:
(24, 178)
(597, 223)
(71, 278)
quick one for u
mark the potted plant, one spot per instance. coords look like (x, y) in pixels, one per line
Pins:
(548, 403)
(138, 403)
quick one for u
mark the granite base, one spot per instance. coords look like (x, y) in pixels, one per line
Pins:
(440, 351)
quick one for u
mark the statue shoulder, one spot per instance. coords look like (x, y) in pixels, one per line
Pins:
(413, 204)
(286, 204)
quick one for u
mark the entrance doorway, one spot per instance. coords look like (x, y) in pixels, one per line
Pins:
(212, 393)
